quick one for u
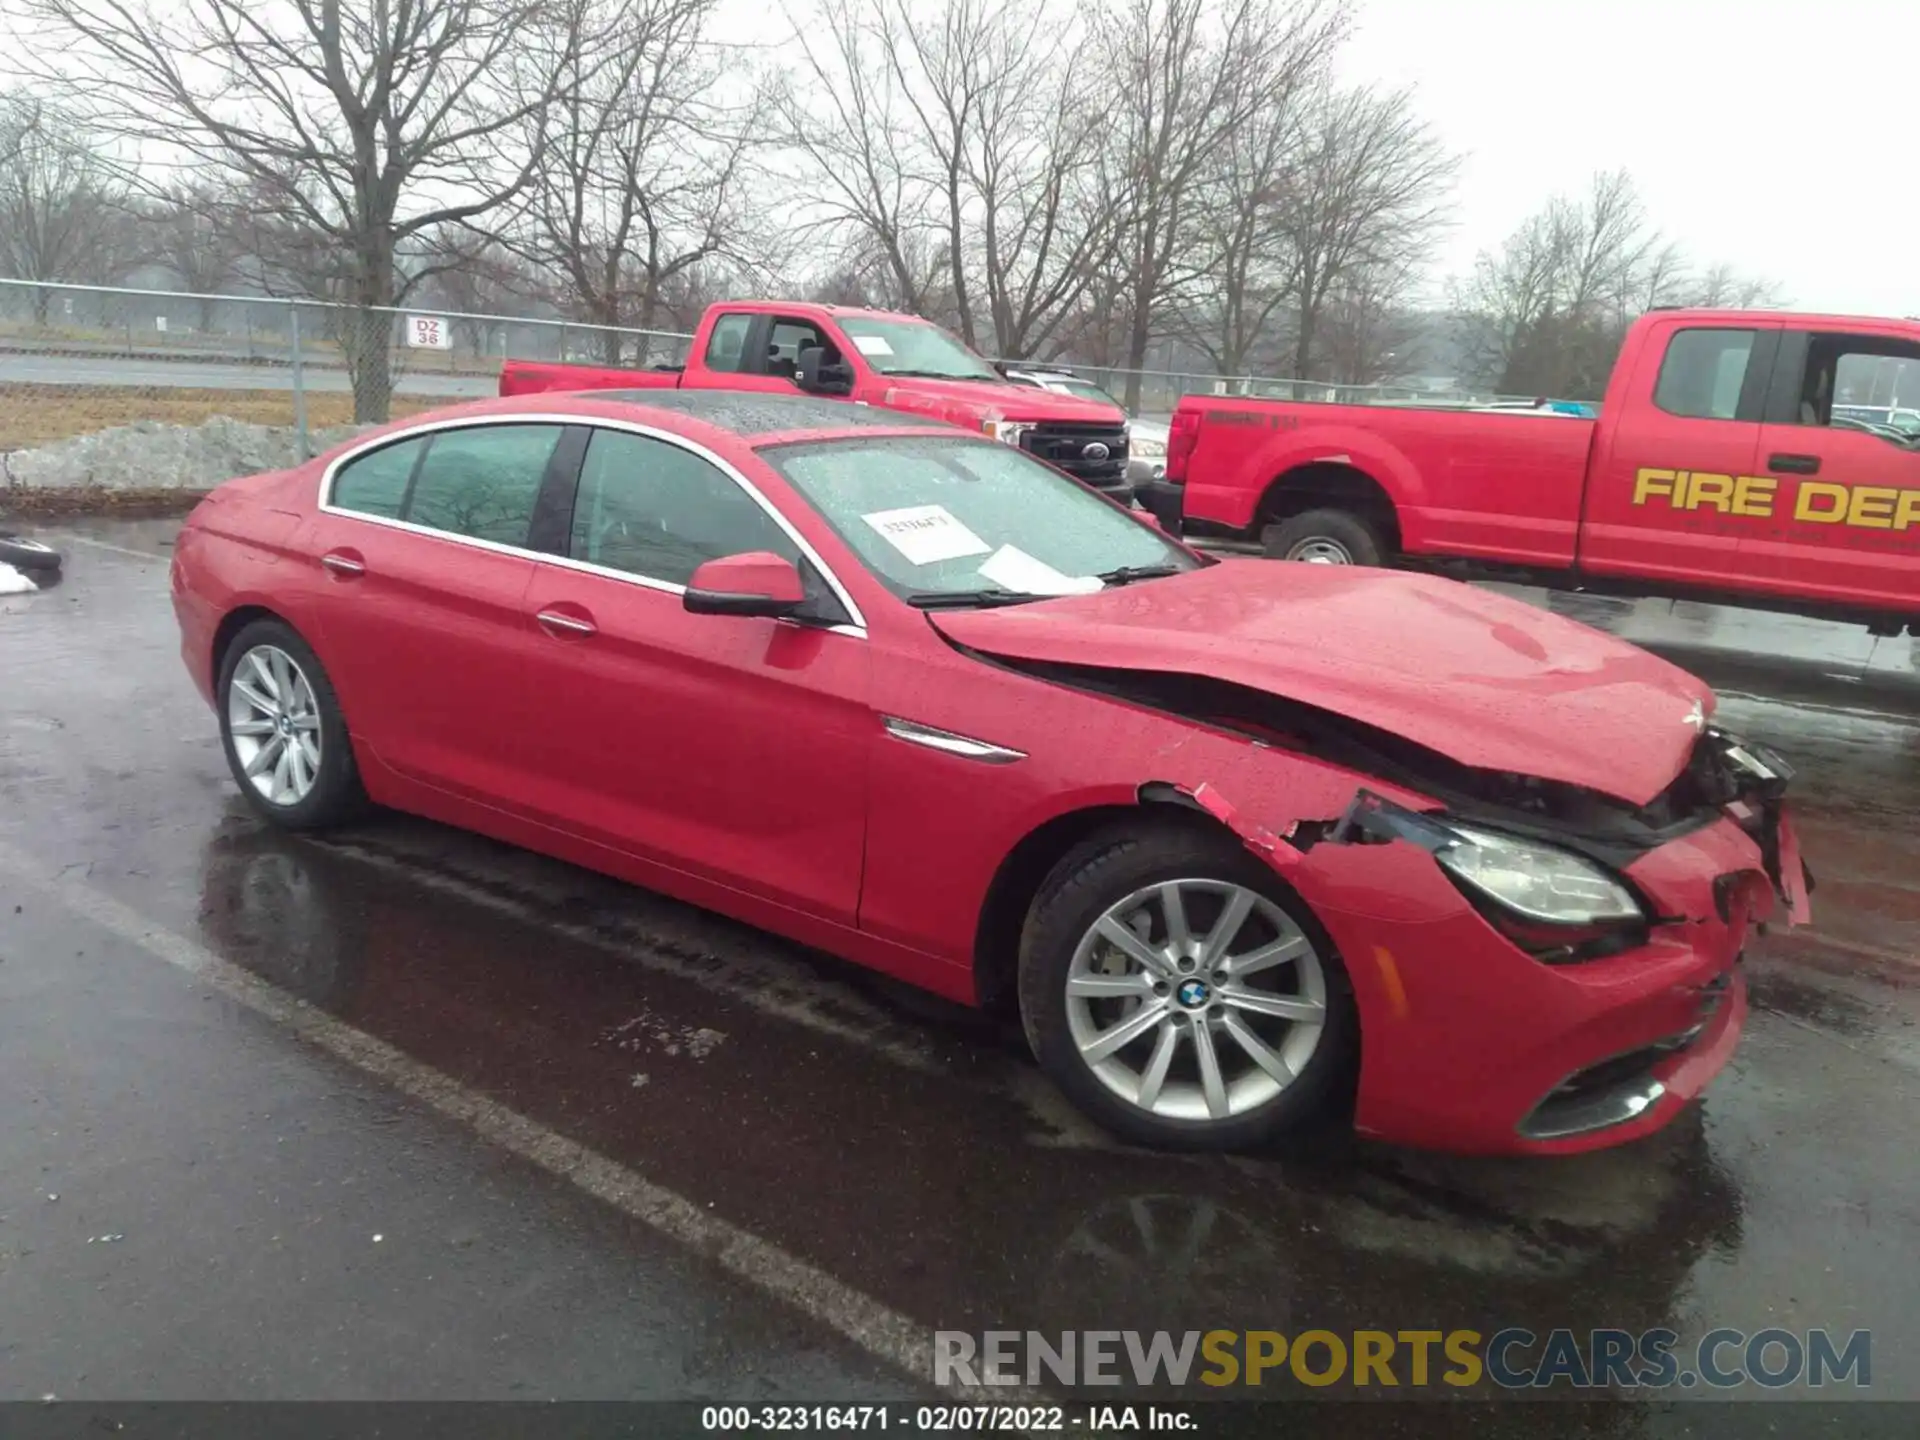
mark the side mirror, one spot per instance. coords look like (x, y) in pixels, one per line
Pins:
(757, 583)
(814, 375)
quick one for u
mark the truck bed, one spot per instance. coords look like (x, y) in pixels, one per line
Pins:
(1503, 487)
(535, 377)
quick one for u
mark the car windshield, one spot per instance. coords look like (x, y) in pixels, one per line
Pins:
(913, 347)
(964, 520)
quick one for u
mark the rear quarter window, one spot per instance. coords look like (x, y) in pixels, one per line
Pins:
(376, 483)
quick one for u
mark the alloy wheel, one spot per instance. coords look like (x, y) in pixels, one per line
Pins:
(275, 724)
(1196, 999)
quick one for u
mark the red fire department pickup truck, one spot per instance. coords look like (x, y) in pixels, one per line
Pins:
(1717, 470)
(869, 357)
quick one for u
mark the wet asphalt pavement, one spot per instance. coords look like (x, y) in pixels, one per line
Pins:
(307, 1105)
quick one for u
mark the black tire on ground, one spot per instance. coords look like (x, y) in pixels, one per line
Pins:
(336, 795)
(24, 554)
(1105, 870)
(1340, 529)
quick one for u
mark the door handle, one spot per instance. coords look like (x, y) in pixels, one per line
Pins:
(553, 620)
(343, 565)
(1794, 464)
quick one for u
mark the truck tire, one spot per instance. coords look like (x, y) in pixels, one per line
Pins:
(24, 554)
(1324, 537)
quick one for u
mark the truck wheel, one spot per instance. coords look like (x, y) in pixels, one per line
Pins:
(1324, 537)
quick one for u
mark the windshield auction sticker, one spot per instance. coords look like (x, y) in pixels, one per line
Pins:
(926, 534)
(1014, 569)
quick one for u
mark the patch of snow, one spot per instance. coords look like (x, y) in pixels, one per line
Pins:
(152, 455)
(12, 582)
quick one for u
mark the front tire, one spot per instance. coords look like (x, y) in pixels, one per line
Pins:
(281, 726)
(1181, 995)
(1324, 537)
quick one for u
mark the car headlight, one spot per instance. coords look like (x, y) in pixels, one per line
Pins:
(1147, 449)
(1537, 882)
(1007, 432)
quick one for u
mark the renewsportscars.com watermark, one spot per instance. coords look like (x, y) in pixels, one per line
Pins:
(1509, 1359)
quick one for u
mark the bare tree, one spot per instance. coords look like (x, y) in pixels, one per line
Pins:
(358, 125)
(840, 111)
(192, 229)
(1188, 75)
(1249, 267)
(1366, 202)
(1723, 287)
(63, 212)
(1548, 310)
(1367, 329)
(644, 168)
(1046, 231)
(955, 148)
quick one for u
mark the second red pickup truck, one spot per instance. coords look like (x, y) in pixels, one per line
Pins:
(1718, 469)
(868, 357)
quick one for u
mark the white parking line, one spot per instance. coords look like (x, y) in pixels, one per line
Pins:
(880, 1331)
(68, 539)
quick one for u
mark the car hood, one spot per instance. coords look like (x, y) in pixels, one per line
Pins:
(977, 400)
(1489, 682)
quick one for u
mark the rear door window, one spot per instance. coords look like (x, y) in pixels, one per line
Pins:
(483, 482)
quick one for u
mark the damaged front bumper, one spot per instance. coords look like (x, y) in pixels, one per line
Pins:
(1472, 1043)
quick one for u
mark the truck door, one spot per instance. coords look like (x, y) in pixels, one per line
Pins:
(1845, 523)
(1671, 485)
(765, 353)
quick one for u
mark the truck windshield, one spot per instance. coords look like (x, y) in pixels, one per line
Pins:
(913, 347)
(1087, 390)
(949, 520)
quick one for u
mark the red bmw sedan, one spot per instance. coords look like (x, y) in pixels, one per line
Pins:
(1241, 842)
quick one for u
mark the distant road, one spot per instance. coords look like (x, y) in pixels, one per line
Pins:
(213, 375)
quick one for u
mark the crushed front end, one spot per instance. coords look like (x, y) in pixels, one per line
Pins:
(1540, 970)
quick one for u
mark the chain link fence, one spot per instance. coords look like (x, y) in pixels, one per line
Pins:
(1162, 390)
(122, 389)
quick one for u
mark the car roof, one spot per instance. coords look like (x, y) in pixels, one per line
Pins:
(749, 413)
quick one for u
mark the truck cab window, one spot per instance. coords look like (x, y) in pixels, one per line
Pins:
(727, 344)
(1861, 382)
(1703, 372)
(788, 338)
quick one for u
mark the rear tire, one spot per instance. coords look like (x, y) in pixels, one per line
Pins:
(1325, 537)
(28, 556)
(1231, 1076)
(283, 732)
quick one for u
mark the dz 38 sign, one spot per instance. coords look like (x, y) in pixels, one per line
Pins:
(428, 332)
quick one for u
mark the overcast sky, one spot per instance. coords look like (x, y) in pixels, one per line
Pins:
(1781, 136)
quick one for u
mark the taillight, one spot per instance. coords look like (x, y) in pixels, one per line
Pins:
(1182, 435)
